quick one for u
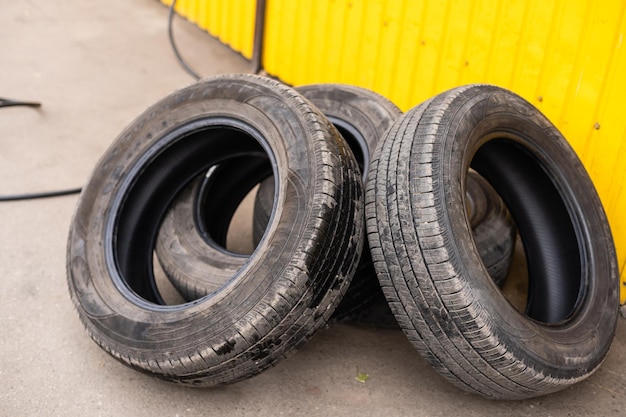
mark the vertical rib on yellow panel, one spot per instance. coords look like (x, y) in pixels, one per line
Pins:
(387, 75)
(225, 10)
(352, 43)
(557, 65)
(473, 42)
(302, 39)
(510, 20)
(407, 91)
(370, 47)
(580, 100)
(239, 16)
(182, 8)
(278, 50)
(203, 15)
(598, 81)
(214, 21)
(530, 49)
(606, 145)
(335, 40)
(232, 22)
(316, 45)
(435, 17)
(450, 54)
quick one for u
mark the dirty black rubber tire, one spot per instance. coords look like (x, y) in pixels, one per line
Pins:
(493, 228)
(287, 288)
(222, 190)
(494, 234)
(360, 115)
(364, 301)
(263, 206)
(353, 110)
(432, 274)
(191, 245)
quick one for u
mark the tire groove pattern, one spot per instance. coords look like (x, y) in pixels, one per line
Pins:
(440, 307)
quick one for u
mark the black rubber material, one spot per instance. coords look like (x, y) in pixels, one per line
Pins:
(493, 231)
(287, 288)
(362, 117)
(430, 269)
(493, 228)
(221, 192)
(263, 206)
(191, 245)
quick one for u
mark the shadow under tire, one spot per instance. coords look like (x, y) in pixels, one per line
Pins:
(285, 290)
(431, 272)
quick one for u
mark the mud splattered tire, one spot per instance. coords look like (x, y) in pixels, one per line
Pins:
(287, 288)
(360, 115)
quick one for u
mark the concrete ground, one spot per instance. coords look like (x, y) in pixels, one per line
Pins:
(95, 65)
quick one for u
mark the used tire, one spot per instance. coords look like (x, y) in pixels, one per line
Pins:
(431, 271)
(287, 288)
(493, 228)
(360, 115)
(191, 244)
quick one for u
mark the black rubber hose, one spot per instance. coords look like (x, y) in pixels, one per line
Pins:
(170, 34)
(45, 194)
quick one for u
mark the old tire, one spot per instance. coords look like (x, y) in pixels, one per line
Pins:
(360, 115)
(287, 288)
(191, 244)
(493, 228)
(432, 274)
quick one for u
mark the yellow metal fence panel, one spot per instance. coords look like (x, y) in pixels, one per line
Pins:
(232, 21)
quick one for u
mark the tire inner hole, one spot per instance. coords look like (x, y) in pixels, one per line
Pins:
(546, 229)
(495, 235)
(224, 202)
(245, 216)
(184, 155)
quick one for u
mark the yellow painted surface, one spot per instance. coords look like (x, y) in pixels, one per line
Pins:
(567, 57)
(230, 21)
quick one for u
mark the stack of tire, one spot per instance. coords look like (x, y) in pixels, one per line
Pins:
(355, 204)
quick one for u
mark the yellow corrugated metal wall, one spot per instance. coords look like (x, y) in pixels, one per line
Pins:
(566, 57)
(230, 21)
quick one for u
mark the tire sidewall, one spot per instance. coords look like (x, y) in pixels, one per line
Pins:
(102, 302)
(581, 341)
